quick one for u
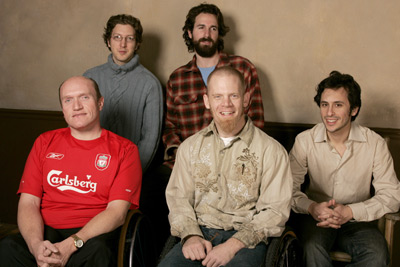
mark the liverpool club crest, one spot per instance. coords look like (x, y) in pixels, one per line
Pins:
(102, 161)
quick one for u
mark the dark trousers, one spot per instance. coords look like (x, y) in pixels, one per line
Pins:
(153, 203)
(98, 251)
(362, 240)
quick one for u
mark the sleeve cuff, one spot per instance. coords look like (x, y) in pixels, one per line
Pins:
(249, 238)
(166, 157)
(302, 205)
(187, 231)
(359, 211)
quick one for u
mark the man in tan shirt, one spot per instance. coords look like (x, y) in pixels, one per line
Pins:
(231, 185)
(343, 160)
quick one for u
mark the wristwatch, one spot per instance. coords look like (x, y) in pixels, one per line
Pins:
(77, 241)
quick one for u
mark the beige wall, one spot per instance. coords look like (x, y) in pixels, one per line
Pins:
(294, 45)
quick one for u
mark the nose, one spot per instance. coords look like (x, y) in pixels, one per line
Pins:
(207, 33)
(227, 102)
(330, 110)
(123, 42)
(77, 105)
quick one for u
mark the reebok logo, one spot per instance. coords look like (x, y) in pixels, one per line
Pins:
(53, 155)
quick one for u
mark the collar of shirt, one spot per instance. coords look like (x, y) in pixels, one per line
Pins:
(356, 133)
(223, 61)
(246, 134)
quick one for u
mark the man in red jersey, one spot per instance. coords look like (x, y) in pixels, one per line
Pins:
(76, 189)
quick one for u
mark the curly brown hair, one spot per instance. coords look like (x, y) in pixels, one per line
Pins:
(125, 20)
(191, 18)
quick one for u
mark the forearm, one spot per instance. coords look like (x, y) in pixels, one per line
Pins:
(30, 222)
(106, 221)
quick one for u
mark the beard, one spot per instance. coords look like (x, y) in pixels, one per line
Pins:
(228, 126)
(205, 51)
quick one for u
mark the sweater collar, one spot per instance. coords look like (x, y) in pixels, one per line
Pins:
(133, 63)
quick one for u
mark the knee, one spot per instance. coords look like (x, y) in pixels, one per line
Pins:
(376, 254)
(311, 247)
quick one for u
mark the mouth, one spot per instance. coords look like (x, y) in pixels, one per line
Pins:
(227, 113)
(206, 41)
(331, 121)
(78, 115)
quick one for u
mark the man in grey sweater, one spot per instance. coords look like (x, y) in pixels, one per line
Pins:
(132, 94)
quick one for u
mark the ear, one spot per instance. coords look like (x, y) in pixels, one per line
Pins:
(354, 111)
(101, 103)
(108, 43)
(190, 34)
(137, 47)
(246, 99)
(206, 101)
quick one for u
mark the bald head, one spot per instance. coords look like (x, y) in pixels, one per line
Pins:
(80, 81)
(227, 71)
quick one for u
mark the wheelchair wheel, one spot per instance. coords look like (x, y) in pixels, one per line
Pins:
(284, 251)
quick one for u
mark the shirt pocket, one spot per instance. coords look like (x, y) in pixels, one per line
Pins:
(185, 99)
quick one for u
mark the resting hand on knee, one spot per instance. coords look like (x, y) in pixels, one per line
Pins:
(196, 248)
(222, 254)
(65, 249)
(45, 254)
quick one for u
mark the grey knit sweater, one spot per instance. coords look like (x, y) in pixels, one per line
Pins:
(133, 104)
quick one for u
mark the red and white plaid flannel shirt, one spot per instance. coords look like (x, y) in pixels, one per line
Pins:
(186, 113)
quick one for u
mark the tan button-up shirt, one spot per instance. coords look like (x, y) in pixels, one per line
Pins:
(346, 179)
(246, 186)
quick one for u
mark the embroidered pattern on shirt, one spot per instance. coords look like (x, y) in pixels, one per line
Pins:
(245, 176)
(202, 169)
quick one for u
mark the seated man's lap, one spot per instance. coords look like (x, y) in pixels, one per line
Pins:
(103, 248)
(310, 235)
(244, 257)
(355, 238)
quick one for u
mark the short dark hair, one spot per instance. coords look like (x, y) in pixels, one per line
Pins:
(338, 80)
(95, 86)
(229, 70)
(125, 20)
(191, 18)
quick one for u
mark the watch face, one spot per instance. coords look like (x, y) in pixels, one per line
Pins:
(79, 243)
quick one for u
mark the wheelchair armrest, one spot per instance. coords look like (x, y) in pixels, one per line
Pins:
(127, 231)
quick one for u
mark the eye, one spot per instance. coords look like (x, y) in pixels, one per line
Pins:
(130, 38)
(117, 38)
(214, 28)
(339, 105)
(217, 97)
(235, 96)
(324, 104)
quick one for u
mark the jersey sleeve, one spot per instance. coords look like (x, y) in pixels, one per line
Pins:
(128, 181)
(32, 177)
